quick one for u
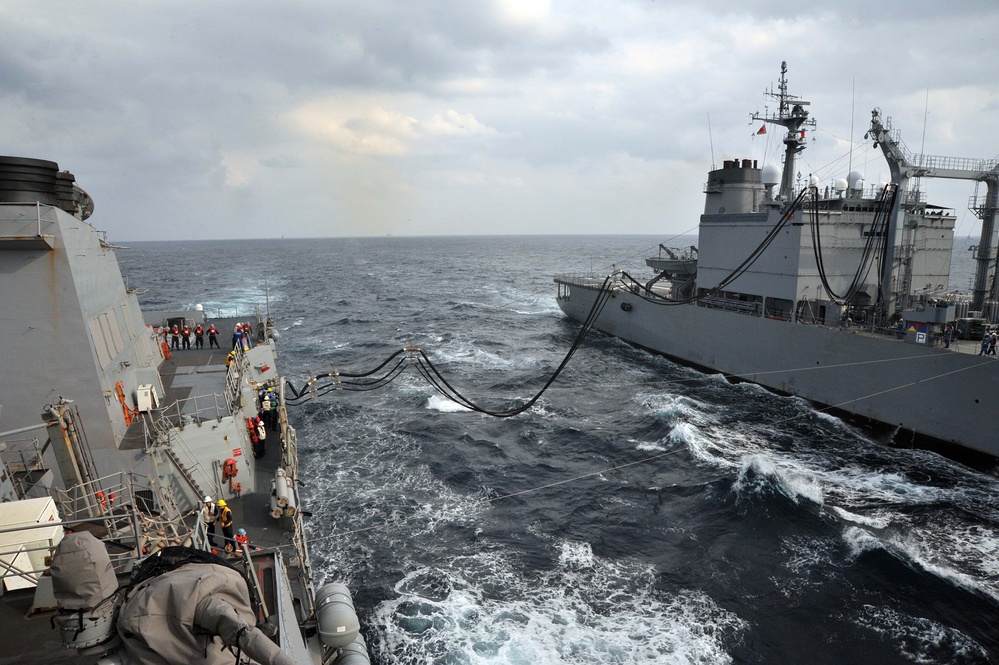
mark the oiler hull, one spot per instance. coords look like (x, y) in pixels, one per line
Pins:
(943, 395)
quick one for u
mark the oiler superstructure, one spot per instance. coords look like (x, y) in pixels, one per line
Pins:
(110, 442)
(836, 293)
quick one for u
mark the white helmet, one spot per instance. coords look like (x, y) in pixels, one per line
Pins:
(208, 499)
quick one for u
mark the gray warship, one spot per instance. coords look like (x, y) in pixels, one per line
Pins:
(111, 445)
(834, 294)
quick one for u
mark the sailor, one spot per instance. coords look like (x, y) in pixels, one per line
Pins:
(213, 341)
(243, 541)
(274, 409)
(225, 521)
(175, 337)
(231, 358)
(209, 515)
(247, 336)
(265, 408)
(199, 337)
(186, 334)
(237, 335)
(258, 436)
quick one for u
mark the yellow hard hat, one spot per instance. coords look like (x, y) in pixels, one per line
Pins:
(221, 502)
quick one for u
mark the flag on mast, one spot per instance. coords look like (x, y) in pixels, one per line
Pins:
(762, 129)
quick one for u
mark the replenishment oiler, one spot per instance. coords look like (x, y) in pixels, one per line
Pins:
(836, 294)
(115, 449)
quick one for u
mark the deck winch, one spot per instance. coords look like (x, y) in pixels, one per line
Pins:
(85, 588)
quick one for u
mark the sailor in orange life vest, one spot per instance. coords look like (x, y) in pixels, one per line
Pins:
(243, 541)
(175, 337)
(213, 340)
(199, 337)
(186, 334)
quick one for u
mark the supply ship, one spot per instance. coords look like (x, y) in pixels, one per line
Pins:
(836, 294)
(116, 452)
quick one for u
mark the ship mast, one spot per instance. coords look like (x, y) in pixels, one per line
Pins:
(791, 115)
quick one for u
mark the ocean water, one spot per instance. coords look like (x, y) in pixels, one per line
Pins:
(640, 512)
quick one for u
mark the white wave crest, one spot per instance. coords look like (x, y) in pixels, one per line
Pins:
(919, 639)
(794, 482)
(486, 611)
(437, 402)
(874, 521)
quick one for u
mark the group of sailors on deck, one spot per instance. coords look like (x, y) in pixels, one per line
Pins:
(182, 335)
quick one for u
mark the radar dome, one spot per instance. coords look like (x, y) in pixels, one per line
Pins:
(771, 174)
(813, 180)
(840, 184)
(199, 308)
(856, 179)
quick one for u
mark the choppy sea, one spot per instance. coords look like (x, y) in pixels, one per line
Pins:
(640, 512)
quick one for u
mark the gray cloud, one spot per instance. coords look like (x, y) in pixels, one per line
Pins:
(187, 119)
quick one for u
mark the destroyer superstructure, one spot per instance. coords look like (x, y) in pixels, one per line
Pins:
(836, 294)
(110, 443)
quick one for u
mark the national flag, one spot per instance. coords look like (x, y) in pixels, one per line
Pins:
(762, 129)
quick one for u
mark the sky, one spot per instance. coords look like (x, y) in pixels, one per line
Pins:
(330, 118)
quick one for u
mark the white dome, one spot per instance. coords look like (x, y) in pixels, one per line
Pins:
(813, 180)
(771, 174)
(840, 184)
(856, 179)
(199, 308)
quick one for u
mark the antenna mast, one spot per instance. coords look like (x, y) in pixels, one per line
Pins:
(792, 115)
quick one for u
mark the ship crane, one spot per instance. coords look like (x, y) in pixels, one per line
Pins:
(904, 166)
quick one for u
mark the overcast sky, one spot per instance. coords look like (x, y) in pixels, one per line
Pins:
(209, 119)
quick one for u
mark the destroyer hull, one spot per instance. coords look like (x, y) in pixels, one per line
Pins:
(942, 394)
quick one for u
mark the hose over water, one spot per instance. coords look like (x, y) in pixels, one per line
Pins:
(414, 356)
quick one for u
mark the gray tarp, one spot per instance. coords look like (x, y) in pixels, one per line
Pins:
(171, 619)
(82, 575)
